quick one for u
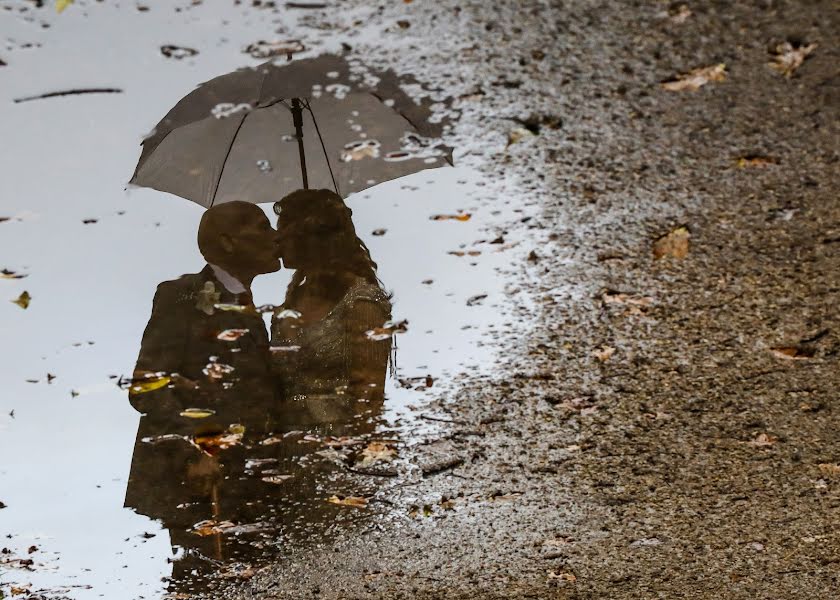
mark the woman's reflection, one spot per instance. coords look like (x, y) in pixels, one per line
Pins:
(333, 300)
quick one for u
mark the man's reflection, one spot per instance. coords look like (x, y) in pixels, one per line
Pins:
(332, 301)
(220, 457)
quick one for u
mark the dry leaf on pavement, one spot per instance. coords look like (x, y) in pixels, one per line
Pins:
(788, 58)
(672, 245)
(763, 440)
(830, 470)
(793, 352)
(376, 452)
(696, 79)
(604, 353)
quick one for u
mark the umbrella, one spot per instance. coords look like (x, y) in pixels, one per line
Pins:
(257, 134)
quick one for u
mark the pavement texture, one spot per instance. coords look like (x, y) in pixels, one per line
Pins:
(668, 426)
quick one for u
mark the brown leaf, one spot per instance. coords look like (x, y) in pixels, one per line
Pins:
(231, 335)
(793, 352)
(696, 79)
(460, 217)
(830, 470)
(390, 328)
(7, 274)
(787, 57)
(570, 577)
(672, 245)
(604, 353)
(376, 452)
(356, 501)
(214, 443)
(23, 300)
(754, 160)
(211, 527)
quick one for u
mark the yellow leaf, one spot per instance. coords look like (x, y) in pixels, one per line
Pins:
(60, 5)
(463, 217)
(357, 501)
(197, 413)
(23, 300)
(211, 527)
(149, 385)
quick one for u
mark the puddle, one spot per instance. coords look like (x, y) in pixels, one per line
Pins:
(249, 420)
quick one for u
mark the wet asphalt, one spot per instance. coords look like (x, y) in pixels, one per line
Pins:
(668, 429)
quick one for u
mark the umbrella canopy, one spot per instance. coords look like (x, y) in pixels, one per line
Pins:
(238, 136)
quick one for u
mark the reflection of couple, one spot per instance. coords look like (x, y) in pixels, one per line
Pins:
(206, 347)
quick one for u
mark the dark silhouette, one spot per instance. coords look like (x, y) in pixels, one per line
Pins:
(336, 299)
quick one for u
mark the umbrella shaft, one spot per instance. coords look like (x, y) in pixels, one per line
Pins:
(297, 119)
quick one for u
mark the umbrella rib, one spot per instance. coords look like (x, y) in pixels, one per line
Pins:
(227, 154)
(323, 147)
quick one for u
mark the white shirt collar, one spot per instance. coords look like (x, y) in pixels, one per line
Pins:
(231, 283)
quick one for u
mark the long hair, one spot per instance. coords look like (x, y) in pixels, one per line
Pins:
(323, 227)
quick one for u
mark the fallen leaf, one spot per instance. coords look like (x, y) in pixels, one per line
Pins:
(217, 371)
(341, 442)
(379, 232)
(211, 527)
(231, 335)
(830, 470)
(518, 134)
(20, 591)
(390, 328)
(360, 150)
(197, 413)
(177, 52)
(459, 217)
(149, 384)
(755, 160)
(89, 221)
(280, 349)
(680, 14)
(23, 300)
(612, 297)
(356, 501)
(376, 452)
(763, 440)
(475, 300)
(60, 5)
(214, 443)
(793, 352)
(562, 576)
(239, 308)
(787, 57)
(277, 478)
(696, 79)
(7, 274)
(672, 245)
(604, 353)
(263, 49)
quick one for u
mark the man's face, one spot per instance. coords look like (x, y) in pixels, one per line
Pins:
(255, 245)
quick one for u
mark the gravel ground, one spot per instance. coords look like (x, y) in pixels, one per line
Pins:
(668, 429)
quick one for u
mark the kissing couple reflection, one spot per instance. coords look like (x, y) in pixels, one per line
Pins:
(224, 403)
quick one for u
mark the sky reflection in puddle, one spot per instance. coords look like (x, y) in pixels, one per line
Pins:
(94, 255)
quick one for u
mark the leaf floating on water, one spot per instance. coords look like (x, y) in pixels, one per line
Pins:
(211, 527)
(672, 245)
(374, 453)
(213, 444)
(263, 49)
(288, 314)
(387, 330)
(231, 335)
(696, 79)
(356, 501)
(787, 57)
(149, 384)
(23, 300)
(459, 217)
(360, 150)
(282, 349)
(277, 479)
(239, 308)
(217, 371)
(177, 52)
(8, 274)
(60, 5)
(197, 413)
(793, 352)
(476, 300)
(379, 232)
